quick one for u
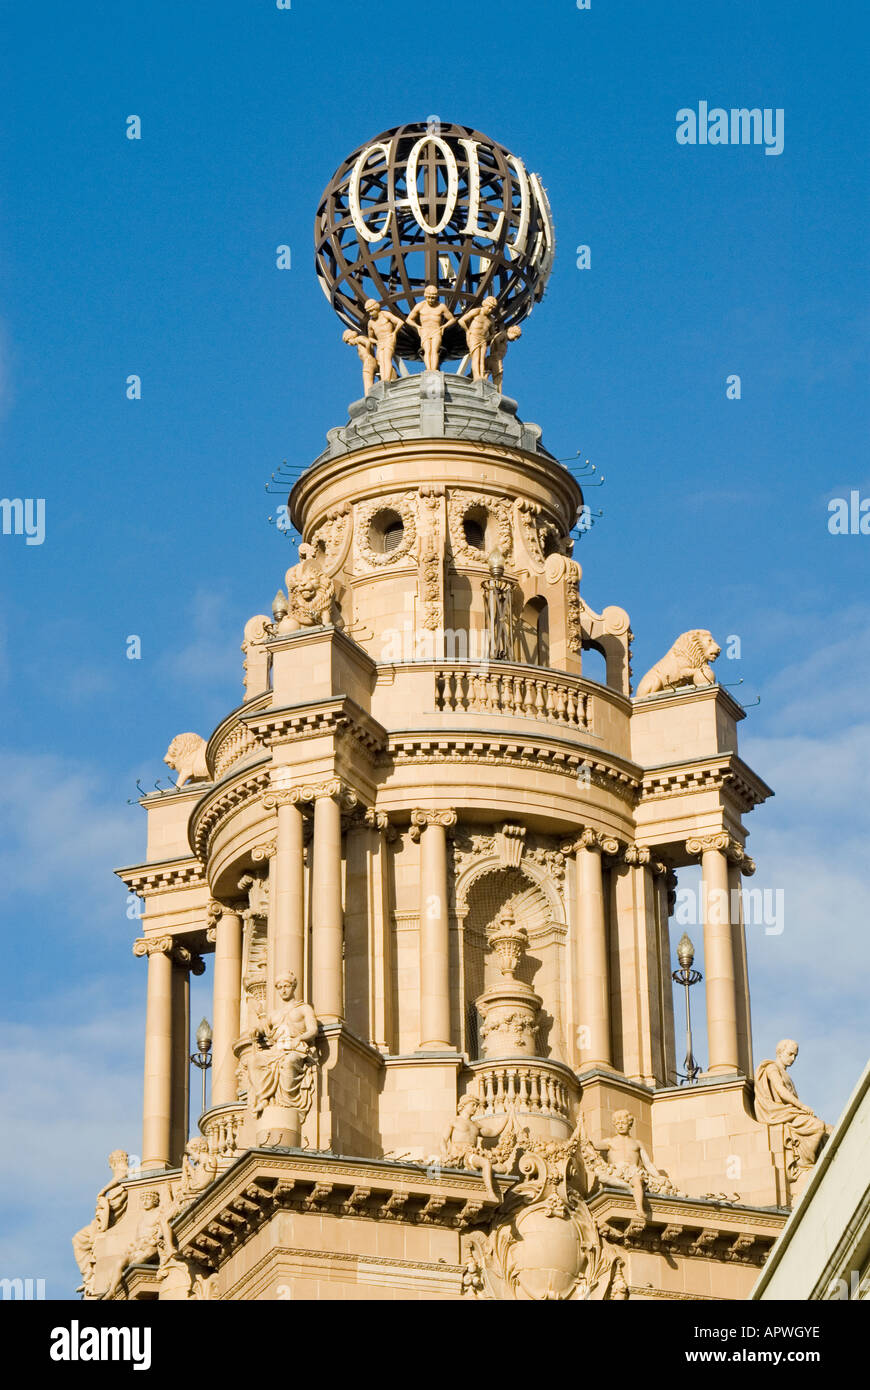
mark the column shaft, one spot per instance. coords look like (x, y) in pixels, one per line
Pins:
(719, 966)
(326, 910)
(287, 909)
(180, 1126)
(227, 1006)
(592, 972)
(741, 972)
(434, 940)
(158, 1063)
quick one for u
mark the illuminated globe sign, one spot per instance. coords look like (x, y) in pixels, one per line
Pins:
(433, 204)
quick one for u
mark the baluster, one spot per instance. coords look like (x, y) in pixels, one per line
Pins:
(523, 1099)
(534, 1091)
(488, 1096)
(499, 1089)
(528, 696)
(459, 689)
(572, 707)
(511, 1096)
(561, 704)
(540, 702)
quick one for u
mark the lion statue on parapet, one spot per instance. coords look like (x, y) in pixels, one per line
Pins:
(687, 663)
(186, 756)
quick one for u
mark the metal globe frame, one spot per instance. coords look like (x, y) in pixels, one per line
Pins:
(433, 204)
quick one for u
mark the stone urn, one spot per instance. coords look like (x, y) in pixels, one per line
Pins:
(510, 1009)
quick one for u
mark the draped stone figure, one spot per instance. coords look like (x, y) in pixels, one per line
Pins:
(776, 1103)
(111, 1205)
(280, 1065)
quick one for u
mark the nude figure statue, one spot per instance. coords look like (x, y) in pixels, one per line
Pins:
(430, 318)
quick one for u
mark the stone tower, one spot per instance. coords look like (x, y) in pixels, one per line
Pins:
(430, 864)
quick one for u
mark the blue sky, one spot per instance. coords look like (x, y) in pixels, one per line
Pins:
(157, 257)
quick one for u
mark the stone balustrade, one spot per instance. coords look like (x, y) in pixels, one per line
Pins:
(526, 692)
(222, 1127)
(536, 1088)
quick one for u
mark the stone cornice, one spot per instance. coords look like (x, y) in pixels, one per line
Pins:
(339, 716)
(700, 1227)
(262, 1182)
(563, 758)
(163, 876)
(228, 796)
(725, 771)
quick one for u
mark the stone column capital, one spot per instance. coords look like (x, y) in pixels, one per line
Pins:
(420, 819)
(264, 851)
(166, 945)
(335, 788)
(596, 841)
(272, 800)
(725, 844)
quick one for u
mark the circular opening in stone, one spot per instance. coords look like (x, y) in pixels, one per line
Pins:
(386, 532)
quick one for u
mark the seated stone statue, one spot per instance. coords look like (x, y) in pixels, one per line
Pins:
(280, 1066)
(198, 1171)
(462, 1144)
(111, 1205)
(624, 1160)
(153, 1240)
(776, 1103)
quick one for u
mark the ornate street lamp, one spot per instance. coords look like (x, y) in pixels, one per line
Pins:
(687, 977)
(202, 1058)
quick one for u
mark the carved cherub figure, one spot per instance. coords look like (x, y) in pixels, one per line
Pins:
(627, 1161)
(776, 1102)
(278, 1066)
(111, 1204)
(462, 1143)
(498, 344)
(153, 1238)
(383, 330)
(365, 350)
(430, 318)
(480, 328)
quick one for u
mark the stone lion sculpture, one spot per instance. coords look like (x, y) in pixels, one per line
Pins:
(310, 595)
(186, 756)
(687, 663)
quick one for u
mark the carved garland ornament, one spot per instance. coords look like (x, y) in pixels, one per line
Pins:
(332, 538)
(403, 504)
(536, 531)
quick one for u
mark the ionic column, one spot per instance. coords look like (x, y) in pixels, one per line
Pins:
(736, 871)
(227, 937)
(327, 919)
(287, 891)
(434, 929)
(157, 1092)
(591, 966)
(719, 968)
